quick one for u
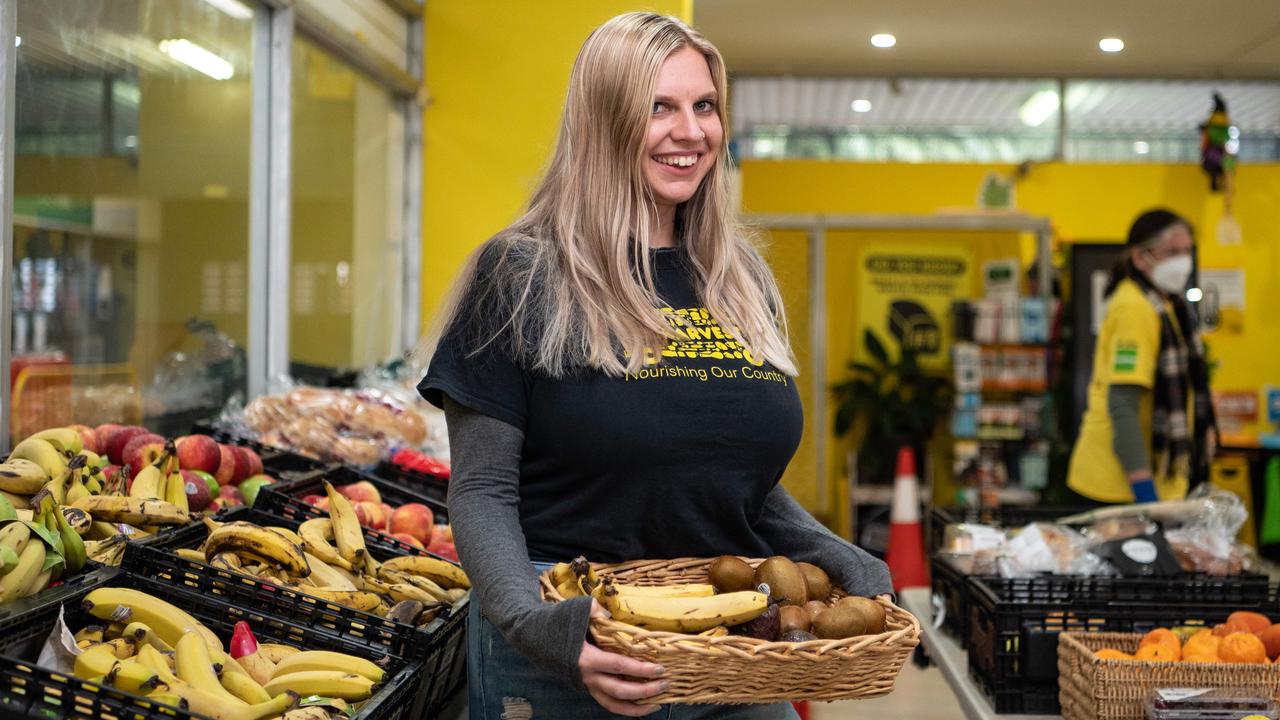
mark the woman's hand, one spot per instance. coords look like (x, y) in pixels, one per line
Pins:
(611, 678)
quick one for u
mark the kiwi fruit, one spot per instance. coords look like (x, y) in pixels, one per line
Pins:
(797, 636)
(793, 617)
(838, 622)
(813, 607)
(786, 582)
(816, 582)
(731, 574)
(872, 613)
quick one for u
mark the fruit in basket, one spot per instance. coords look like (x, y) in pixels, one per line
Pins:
(248, 463)
(307, 660)
(143, 450)
(1256, 622)
(817, 583)
(785, 580)
(363, 491)
(133, 510)
(446, 574)
(196, 489)
(796, 636)
(1161, 636)
(442, 547)
(684, 614)
(685, 590)
(873, 616)
(368, 514)
(1242, 647)
(118, 439)
(414, 519)
(1158, 652)
(250, 487)
(347, 534)
(731, 574)
(765, 626)
(226, 471)
(198, 452)
(248, 540)
(793, 617)
(408, 539)
(329, 683)
(22, 477)
(41, 453)
(1271, 641)
(840, 621)
(317, 534)
(813, 607)
(1231, 626)
(88, 437)
(1203, 642)
(26, 577)
(228, 496)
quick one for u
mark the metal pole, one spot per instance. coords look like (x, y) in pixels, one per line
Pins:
(279, 192)
(259, 202)
(411, 248)
(8, 78)
(1060, 152)
(818, 358)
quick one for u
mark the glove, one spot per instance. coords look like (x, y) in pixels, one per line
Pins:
(1144, 489)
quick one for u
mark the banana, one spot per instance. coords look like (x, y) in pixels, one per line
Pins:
(166, 696)
(214, 706)
(15, 536)
(114, 630)
(92, 633)
(57, 488)
(354, 599)
(74, 554)
(257, 666)
(134, 677)
(374, 585)
(684, 614)
(93, 459)
(19, 502)
(97, 661)
(64, 440)
(226, 561)
(316, 534)
(156, 662)
(133, 510)
(142, 634)
(148, 484)
(323, 660)
(175, 491)
(76, 488)
(79, 520)
(405, 611)
(190, 554)
(561, 572)
(123, 647)
(249, 540)
(329, 683)
(688, 590)
(22, 477)
(20, 581)
(195, 666)
(441, 572)
(99, 530)
(275, 652)
(244, 687)
(168, 621)
(347, 533)
(324, 576)
(400, 592)
(294, 537)
(43, 454)
(107, 552)
(430, 588)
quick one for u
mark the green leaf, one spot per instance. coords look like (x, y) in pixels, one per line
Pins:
(875, 347)
(53, 560)
(49, 537)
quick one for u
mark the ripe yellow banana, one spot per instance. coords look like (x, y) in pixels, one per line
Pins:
(92, 633)
(79, 520)
(22, 477)
(195, 666)
(244, 687)
(347, 533)
(561, 572)
(324, 660)
(21, 581)
(133, 510)
(123, 647)
(684, 614)
(147, 484)
(354, 599)
(19, 502)
(134, 677)
(156, 662)
(64, 440)
(142, 634)
(316, 535)
(97, 661)
(226, 561)
(249, 540)
(322, 575)
(275, 652)
(43, 454)
(175, 491)
(440, 572)
(433, 591)
(329, 683)
(215, 706)
(190, 554)
(15, 536)
(168, 621)
(294, 537)
(660, 591)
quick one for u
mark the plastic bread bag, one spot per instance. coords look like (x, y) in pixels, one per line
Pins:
(1206, 542)
(1045, 548)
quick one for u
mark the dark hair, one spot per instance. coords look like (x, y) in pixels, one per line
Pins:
(1145, 228)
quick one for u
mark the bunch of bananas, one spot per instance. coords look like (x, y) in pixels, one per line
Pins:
(37, 549)
(56, 462)
(147, 646)
(327, 558)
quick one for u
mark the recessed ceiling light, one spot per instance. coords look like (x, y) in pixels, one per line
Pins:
(861, 105)
(1111, 45)
(883, 40)
(1142, 148)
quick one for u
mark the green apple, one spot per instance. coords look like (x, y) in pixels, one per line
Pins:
(209, 480)
(250, 487)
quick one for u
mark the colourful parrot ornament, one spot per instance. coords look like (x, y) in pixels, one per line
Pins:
(1217, 146)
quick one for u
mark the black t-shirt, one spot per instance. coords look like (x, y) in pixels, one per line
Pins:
(672, 461)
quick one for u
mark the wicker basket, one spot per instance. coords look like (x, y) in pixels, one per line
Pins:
(734, 669)
(1118, 689)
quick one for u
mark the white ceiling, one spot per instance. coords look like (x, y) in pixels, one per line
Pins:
(1231, 39)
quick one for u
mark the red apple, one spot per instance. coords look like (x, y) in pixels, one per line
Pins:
(226, 465)
(120, 438)
(313, 499)
(445, 531)
(408, 539)
(143, 450)
(377, 518)
(413, 519)
(87, 436)
(198, 496)
(198, 452)
(230, 496)
(361, 491)
(248, 464)
(362, 513)
(323, 503)
(104, 433)
(214, 505)
(443, 549)
(387, 510)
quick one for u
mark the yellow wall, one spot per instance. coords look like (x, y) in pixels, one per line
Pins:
(497, 75)
(1084, 202)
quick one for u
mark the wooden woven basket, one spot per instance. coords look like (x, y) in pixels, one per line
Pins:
(733, 669)
(1118, 689)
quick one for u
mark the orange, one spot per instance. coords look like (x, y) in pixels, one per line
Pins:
(1112, 654)
(1271, 640)
(1164, 636)
(1231, 626)
(1158, 652)
(1202, 642)
(1256, 622)
(1242, 647)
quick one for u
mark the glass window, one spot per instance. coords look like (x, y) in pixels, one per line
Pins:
(348, 150)
(131, 210)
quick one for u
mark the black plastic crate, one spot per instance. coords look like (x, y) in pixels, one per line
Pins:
(277, 461)
(1004, 516)
(285, 499)
(33, 692)
(1013, 624)
(431, 486)
(440, 646)
(949, 586)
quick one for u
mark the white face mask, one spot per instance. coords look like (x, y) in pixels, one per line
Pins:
(1171, 274)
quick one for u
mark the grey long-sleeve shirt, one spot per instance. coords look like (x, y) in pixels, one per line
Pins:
(484, 513)
(1127, 439)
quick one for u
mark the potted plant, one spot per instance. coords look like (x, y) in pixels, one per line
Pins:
(885, 405)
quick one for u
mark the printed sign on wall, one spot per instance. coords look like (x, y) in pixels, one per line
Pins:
(906, 294)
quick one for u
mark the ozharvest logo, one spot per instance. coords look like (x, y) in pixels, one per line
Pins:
(915, 265)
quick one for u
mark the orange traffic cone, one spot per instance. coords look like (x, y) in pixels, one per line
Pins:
(905, 555)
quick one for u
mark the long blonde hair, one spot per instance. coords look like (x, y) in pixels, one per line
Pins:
(569, 284)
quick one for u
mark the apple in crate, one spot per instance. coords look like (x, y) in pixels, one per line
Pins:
(363, 491)
(443, 548)
(377, 517)
(88, 437)
(118, 438)
(313, 500)
(413, 519)
(226, 465)
(248, 463)
(199, 494)
(142, 450)
(103, 433)
(199, 452)
(408, 539)
(250, 487)
(229, 496)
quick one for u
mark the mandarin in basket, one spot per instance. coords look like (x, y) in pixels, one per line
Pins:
(1257, 622)
(1231, 626)
(1162, 636)
(1158, 652)
(1113, 654)
(1242, 647)
(1271, 640)
(1201, 657)
(1202, 642)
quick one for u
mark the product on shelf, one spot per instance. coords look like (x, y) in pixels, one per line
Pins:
(356, 427)
(411, 523)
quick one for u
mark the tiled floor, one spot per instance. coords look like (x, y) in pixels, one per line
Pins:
(918, 694)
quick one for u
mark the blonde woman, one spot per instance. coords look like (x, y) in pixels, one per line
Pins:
(618, 383)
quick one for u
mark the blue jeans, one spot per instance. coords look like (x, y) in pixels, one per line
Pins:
(503, 685)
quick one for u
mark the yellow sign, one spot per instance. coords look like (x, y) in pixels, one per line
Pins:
(906, 294)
